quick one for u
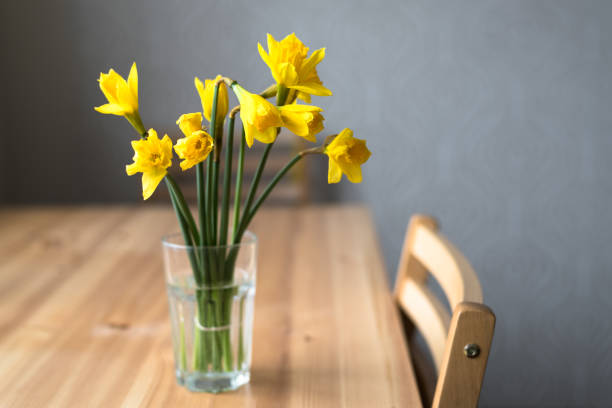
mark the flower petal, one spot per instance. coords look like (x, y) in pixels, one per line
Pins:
(131, 169)
(206, 91)
(166, 143)
(304, 96)
(126, 98)
(342, 138)
(108, 85)
(264, 55)
(266, 136)
(334, 174)
(294, 122)
(133, 80)
(272, 44)
(312, 88)
(190, 122)
(249, 134)
(222, 101)
(150, 181)
(352, 171)
(311, 62)
(152, 135)
(186, 164)
(111, 109)
(294, 107)
(286, 75)
(200, 88)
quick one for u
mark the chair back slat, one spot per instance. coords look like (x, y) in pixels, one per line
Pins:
(409, 266)
(445, 263)
(428, 314)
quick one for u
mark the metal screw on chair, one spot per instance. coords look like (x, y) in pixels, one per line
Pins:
(471, 350)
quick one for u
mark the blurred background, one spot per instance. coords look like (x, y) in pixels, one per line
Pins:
(494, 116)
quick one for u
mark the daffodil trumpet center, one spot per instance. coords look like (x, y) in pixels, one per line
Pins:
(155, 159)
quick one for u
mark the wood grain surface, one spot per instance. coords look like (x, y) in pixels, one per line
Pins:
(84, 317)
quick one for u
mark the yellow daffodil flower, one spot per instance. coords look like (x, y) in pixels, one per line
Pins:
(290, 66)
(259, 117)
(194, 148)
(346, 155)
(122, 96)
(196, 145)
(206, 92)
(303, 120)
(190, 122)
(151, 158)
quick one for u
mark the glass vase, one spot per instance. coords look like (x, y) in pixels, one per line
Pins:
(211, 292)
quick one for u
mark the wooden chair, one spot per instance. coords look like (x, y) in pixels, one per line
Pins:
(459, 343)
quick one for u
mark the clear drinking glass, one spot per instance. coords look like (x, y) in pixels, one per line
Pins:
(211, 292)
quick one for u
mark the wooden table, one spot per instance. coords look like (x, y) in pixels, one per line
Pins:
(84, 318)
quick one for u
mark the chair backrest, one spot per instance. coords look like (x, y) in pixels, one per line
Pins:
(459, 340)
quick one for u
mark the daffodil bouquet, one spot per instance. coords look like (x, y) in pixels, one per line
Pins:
(201, 148)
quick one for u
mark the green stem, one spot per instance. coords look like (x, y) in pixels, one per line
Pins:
(215, 180)
(208, 198)
(253, 191)
(201, 192)
(227, 181)
(196, 356)
(182, 351)
(185, 231)
(202, 210)
(211, 257)
(183, 208)
(241, 334)
(238, 191)
(136, 123)
(268, 190)
(281, 95)
(212, 186)
(214, 197)
(215, 339)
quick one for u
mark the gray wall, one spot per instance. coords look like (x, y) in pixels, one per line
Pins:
(493, 115)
